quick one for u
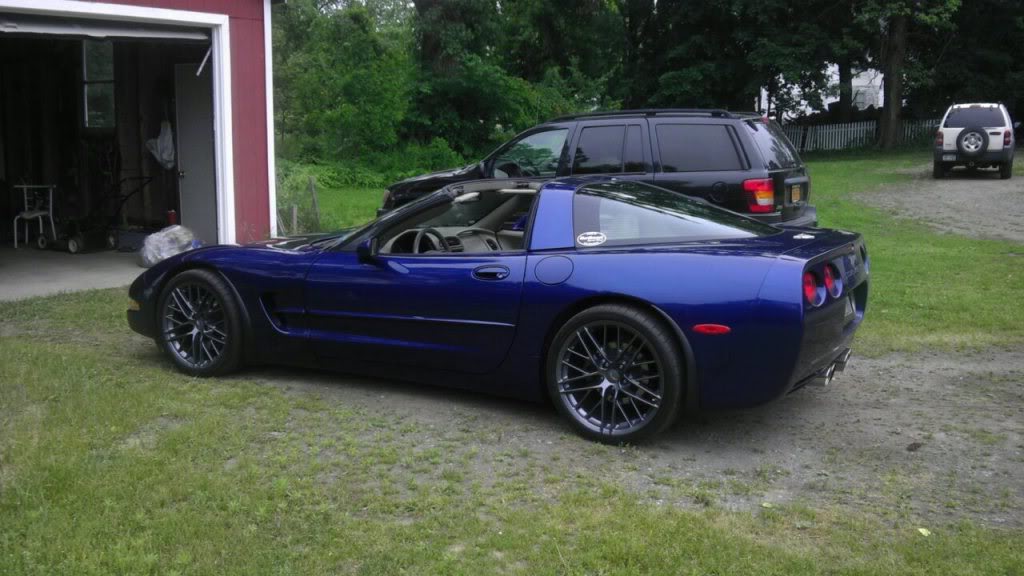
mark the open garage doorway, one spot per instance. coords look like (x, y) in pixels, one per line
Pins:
(118, 120)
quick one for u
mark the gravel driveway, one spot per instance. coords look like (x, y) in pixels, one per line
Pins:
(977, 204)
(931, 437)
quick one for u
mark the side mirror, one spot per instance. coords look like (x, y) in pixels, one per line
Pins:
(367, 251)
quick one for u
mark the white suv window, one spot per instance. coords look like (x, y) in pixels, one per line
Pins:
(984, 117)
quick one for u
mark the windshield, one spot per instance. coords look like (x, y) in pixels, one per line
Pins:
(627, 213)
(987, 117)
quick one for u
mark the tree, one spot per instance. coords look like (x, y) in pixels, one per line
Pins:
(898, 24)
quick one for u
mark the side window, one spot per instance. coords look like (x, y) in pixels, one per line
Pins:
(633, 151)
(697, 148)
(609, 150)
(535, 155)
(599, 150)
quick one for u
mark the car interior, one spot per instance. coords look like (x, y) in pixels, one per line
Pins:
(481, 218)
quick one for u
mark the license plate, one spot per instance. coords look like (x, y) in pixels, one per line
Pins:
(795, 193)
(948, 157)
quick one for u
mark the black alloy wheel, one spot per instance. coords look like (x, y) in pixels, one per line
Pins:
(616, 373)
(199, 324)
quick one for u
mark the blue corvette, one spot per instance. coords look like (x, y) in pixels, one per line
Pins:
(621, 302)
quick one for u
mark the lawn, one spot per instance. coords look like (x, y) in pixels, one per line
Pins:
(111, 462)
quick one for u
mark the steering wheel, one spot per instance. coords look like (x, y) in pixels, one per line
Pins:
(513, 168)
(429, 232)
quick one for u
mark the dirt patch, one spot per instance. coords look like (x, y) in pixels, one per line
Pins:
(936, 437)
(977, 204)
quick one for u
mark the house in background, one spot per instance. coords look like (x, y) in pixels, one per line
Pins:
(88, 88)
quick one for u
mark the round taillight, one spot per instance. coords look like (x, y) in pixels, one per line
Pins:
(814, 293)
(833, 281)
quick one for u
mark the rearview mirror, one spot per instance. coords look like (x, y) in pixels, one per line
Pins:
(367, 250)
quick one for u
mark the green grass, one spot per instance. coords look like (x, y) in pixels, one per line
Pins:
(346, 207)
(927, 289)
(111, 462)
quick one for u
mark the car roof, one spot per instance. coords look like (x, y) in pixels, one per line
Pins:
(709, 112)
(978, 105)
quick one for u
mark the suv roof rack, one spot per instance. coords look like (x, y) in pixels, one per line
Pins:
(713, 112)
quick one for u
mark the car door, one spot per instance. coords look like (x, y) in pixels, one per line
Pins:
(619, 147)
(441, 311)
(699, 157)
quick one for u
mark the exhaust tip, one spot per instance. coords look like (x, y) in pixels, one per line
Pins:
(824, 377)
(843, 360)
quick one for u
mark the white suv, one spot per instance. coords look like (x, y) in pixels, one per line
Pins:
(974, 135)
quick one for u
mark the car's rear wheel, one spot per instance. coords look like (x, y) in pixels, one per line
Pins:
(938, 170)
(615, 373)
(199, 324)
(1006, 170)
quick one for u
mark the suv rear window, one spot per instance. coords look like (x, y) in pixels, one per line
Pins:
(625, 213)
(988, 117)
(776, 149)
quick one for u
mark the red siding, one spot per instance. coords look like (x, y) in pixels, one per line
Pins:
(249, 100)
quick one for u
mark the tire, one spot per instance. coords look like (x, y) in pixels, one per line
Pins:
(938, 170)
(616, 373)
(1006, 170)
(42, 242)
(972, 141)
(75, 244)
(200, 300)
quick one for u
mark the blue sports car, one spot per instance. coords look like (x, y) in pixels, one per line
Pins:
(623, 303)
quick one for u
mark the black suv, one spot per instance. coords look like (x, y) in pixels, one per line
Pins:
(740, 161)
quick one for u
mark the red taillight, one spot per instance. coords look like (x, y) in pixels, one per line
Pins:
(760, 195)
(1006, 137)
(813, 293)
(938, 138)
(833, 282)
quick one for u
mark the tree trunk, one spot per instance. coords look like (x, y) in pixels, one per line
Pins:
(845, 90)
(894, 51)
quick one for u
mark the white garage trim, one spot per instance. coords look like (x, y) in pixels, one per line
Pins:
(268, 74)
(220, 42)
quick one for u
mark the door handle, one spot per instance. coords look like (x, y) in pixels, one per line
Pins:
(491, 273)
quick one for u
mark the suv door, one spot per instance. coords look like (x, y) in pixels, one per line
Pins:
(700, 157)
(619, 147)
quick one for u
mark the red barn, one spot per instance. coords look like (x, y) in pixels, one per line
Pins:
(132, 109)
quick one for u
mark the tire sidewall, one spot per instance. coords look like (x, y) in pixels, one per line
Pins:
(664, 346)
(231, 358)
(964, 133)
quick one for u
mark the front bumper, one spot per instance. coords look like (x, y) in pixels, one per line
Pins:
(142, 320)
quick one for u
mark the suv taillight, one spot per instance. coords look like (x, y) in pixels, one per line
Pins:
(938, 138)
(1006, 137)
(760, 195)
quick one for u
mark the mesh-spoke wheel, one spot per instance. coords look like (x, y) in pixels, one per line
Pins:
(615, 373)
(194, 325)
(198, 321)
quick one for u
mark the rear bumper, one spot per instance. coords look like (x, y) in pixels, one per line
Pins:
(989, 157)
(806, 218)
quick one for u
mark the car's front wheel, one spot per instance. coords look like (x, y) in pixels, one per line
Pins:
(199, 324)
(616, 373)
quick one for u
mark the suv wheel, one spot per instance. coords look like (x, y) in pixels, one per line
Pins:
(1006, 170)
(938, 170)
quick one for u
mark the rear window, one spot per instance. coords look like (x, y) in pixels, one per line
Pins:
(697, 148)
(981, 117)
(629, 213)
(777, 151)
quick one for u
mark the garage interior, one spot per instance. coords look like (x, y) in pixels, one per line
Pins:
(118, 118)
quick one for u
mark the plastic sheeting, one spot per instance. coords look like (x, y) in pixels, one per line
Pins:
(166, 243)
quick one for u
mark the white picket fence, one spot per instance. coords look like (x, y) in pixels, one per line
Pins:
(852, 134)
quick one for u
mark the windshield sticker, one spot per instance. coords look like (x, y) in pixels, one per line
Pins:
(589, 239)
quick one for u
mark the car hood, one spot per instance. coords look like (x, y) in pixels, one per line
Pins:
(440, 174)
